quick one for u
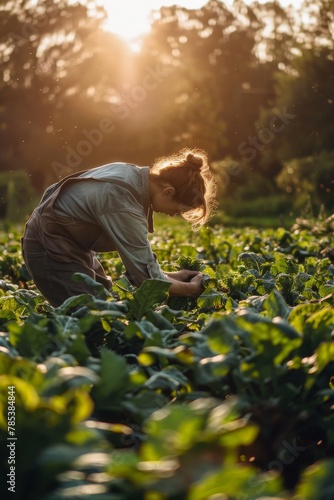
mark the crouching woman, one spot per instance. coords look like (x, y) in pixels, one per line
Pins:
(110, 208)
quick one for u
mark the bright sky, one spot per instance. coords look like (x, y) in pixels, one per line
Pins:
(130, 18)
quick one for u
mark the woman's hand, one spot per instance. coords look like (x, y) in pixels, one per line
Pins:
(192, 288)
(183, 275)
(196, 285)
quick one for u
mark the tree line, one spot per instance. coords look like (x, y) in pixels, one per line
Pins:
(251, 84)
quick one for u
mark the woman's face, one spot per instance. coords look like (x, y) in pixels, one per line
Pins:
(162, 201)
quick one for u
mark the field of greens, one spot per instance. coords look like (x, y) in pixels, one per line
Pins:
(134, 395)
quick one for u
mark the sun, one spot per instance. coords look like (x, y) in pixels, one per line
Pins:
(131, 19)
(128, 19)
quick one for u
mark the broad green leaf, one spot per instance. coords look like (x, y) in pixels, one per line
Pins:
(252, 260)
(29, 339)
(300, 314)
(221, 334)
(25, 369)
(160, 321)
(300, 280)
(76, 376)
(233, 482)
(6, 316)
(114, 375)
(275, 305)
(171, 431)
(283, 265)
(219, 341)
(325, 355)
(150, 293)
(178, 303)
(267, 336)
(8, 303)
(322, 322)
(327, 289)
(99, 289)
(122, 463)
(180, 354)
(169, 378)
(24, 393)
(5, 344)
(142, 329)
(284, 282)
(72, 406)
(238, 434)
(317, 481)
(78, 348)
(140, 406)
(211, 299)
(60, 456)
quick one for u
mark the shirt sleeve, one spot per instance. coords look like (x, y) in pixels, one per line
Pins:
(128, 231)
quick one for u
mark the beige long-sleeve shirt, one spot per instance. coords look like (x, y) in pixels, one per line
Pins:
(104, 209)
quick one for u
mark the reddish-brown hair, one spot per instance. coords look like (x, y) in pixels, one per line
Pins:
(189, 173)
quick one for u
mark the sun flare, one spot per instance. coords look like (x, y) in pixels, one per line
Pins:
(130, 19)
(127, 19)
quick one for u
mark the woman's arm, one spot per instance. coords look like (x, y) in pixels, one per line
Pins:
(183, 275)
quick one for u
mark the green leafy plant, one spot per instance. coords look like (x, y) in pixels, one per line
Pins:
(129, 394)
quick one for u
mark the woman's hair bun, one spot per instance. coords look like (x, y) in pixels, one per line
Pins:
(194, 162)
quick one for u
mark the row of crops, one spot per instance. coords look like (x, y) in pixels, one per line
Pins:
(135, 395)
